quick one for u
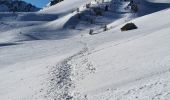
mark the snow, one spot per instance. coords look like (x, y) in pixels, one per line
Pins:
(24, 73)
(42, 58)
(64, 7)
(158, 1)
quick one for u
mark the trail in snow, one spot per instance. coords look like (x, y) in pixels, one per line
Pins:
(62, 77)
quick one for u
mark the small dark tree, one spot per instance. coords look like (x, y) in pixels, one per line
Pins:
(79, 16)
(14, 9)
(78, 10)
(91, 32)
(106, 8)
(88, 5)
(98, 11)
(105, 28)
(135, 8)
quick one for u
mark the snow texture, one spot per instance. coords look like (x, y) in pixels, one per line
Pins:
(50, 55)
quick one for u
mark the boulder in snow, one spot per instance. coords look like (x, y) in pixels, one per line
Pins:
(129, 26)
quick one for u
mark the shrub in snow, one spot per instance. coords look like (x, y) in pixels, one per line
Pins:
(88, 5)
(129, 26)
(106, 8)
(98, 11)
(105, 28)
(78, 10)
(134, 8)
(91, 32)
(78, 16)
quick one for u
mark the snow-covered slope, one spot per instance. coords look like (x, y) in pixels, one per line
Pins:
(159, 1)
(65, 7)
(150, 6)
(131, 65)
(42, 57)
(16, 6)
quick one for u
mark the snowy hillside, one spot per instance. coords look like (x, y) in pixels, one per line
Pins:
(16, 6)
(50, 55)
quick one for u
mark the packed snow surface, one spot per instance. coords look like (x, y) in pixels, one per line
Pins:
(49, 55)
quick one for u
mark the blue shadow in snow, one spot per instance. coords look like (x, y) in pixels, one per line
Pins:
(8, 44)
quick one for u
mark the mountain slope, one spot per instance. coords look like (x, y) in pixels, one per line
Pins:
(131, 65)
(116, 16)
(42, 57)
(150, 6)
(16, 6)
(64, 7)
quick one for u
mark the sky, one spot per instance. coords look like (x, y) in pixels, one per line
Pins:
(38, 3)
